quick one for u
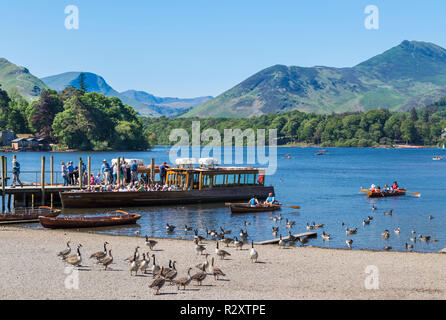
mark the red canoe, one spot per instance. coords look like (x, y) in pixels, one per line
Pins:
(88, 222)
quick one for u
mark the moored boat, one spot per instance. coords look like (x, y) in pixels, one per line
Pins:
(246, 208)
(381, 194)
(88, 222)
(28, 215)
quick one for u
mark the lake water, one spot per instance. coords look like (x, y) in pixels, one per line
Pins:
(326, 187)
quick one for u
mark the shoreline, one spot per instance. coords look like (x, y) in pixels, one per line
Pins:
(35, 272)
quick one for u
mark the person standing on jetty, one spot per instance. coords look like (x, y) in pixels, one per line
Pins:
(64, 171)
(16, 173)
(134, 171)
(70, 173)
(163, 172)
(105, 169)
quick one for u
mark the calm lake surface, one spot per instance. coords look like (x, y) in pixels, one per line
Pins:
(326, 187)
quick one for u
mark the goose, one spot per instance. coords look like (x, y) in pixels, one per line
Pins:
(246, 223)
(133, 265)
(302, 241)
(73, 255)
(157, 284)
(199, 277)
(170, 228)
(204, 265)
(65, 252)
(186, 228)
(397, 230)
(279, 217)
(275, 229)
(388, 213)
(290, 224)
(291, 239)
(351, 231)
(370, 218)
(318, 226)
(374, 207)
(225, 231)
(226, 241)
(413, 231)
(253, 254)
(221, 253)
(325, 236)
(387, 248)
(409, 246)
(167, 270)
(243, 234)
(365, 222)
(134, 257)
(282, 242)
(424, 239)
(238, 244)
(184, 281)
(151, 243)
(342, 224)
(106, 261)
(275, 219)
(385, 234)
(198, 237)
(76, 259)
(210, 232)
(137, 233)
(349, 243)
(216, 272)
(431, 217)
(309, 227)
(144, 263)
(171, 275)
(155, 268)
(199, 248)
(100, 254)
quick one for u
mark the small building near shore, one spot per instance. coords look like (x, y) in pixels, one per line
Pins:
(30, 144)
(6, 137)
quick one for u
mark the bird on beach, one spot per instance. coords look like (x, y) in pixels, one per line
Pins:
(76, 259)
(349, 243)
(221, 253)
(100, 254)
(185, 281)
(150, 243)
(133, 265)
(134, 257)
(170, 228)
(65, 252)
(282, 242)
(71, 256)
(106, 261)
(253, 254)
(238, 244)
(388, 248)
(197, 236)
(171, 275)
(216, 272)
(303, 241)
(199, 248)
(226, 241)
(199, 277)
(155, 268)
(291, 239)
(204, 265)
(144, 263)
(157, 284)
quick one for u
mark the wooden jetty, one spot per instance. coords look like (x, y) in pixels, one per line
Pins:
(300, 235)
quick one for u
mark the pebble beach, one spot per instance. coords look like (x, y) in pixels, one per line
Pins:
(31, 270)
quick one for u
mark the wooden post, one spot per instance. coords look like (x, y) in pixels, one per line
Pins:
(152, 170)
(89, 169)
(42, 180)
(118, 171)
(3, 182)
(52, 200)
(52, 170)
(32, 200)
(9, 202)
(80, 174)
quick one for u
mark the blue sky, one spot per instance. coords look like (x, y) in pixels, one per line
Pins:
(204, 47)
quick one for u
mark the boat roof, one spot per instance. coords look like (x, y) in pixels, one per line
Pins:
(221, 170)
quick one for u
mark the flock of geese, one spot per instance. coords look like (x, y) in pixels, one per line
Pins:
(146, 262)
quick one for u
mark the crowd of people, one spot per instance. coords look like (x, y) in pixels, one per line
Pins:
(377, 189)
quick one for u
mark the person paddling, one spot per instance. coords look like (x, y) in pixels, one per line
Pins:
(270, 200)
(254, 202)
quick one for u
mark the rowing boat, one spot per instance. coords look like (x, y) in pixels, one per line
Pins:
(382, 194)
(245, 208)
(28, 215)
(88, 222)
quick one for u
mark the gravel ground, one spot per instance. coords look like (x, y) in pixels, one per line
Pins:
(31, 270)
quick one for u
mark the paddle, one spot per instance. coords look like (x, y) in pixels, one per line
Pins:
(416, 193)
(275, 205)
(120, 211)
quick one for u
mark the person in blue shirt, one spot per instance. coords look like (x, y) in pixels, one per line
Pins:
(134, 171)
(270, 200)
(254, 202)
(70, 173)
(163, 173)
(105, 169)
(16, 173)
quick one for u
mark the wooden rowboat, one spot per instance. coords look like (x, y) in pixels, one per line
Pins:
(88, 222)
(28, 215)
(383, 194)
(245, 208)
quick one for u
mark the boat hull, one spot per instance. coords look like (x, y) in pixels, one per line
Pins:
(94, 222)
(25, 215)
(399, 193)
(235, 209)
(156, 198)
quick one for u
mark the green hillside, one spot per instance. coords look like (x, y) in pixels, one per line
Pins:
(19, 78)
(412, 74)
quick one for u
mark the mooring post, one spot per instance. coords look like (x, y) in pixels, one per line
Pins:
(9, 202)
(3, 182)
(89, 170)
(42, 181)
(52, 200)
(80, 174)
(152, 170)
(118, 171)
(32, 200)
(52, 170)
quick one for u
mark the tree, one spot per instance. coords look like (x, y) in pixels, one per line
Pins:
(44, 112)
(413, 115)
(4, 108)
(83, 82)
(408, 131)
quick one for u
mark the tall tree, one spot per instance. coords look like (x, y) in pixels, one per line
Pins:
(4, 108)
(44, 113)
(413, 115)
(83, 82)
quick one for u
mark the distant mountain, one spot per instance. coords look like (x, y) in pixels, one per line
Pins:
(410, 74)
(145, 103)
(12, 76)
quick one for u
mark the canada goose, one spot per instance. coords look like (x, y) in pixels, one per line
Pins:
(387, 248)
(413, 231)
(238, 244)
(318, 225)
(309, 227)
(388, 213)
(133, 265)
(279, 217)
(349, 243)
(275, 229)
(199, 277)
(137, 233)
(65, 252)
(325, 236)
(198, 237)
(290, 224)
(291, 239)
(351, 231)
(186, 228)
(246, 223)
(134, 257)
(216, 272)
(106, 261)
(144, 263)
(204, 265)
(210, 232)
(365, 222)
(282, 242)
(221, 253)
(199, 248)
(155, 268)
(171, 275)
(243, 234)
(413, 239)
(75, 260)
(73, 255)
(226, 241)
(253, 254)
(431, 217)
(100, 254)
(374, 207)
(157, 284)
(342, 224)
(167, 270)
(151, 243)
(385, 234)
(302, 241)
(170, 228)
(225, 231)
(425, 238)
(409, 246)
(275, 219)
(370, 218)
(184, 281)
(397, 230)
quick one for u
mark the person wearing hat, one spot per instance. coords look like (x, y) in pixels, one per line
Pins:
(16, 173)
